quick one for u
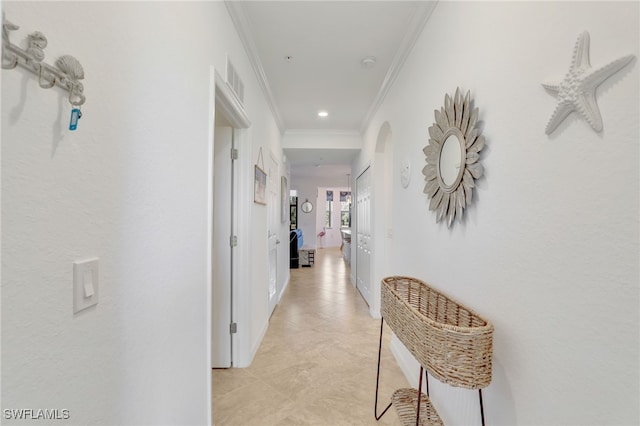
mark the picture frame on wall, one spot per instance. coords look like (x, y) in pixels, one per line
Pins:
(284, 199)
(259, 186)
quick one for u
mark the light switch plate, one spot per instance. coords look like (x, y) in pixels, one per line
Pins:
(85, 284)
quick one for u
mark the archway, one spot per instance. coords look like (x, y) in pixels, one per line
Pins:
(382, 212)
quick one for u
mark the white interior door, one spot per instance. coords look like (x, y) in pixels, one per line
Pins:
(273, 218)
(222, 255)
(363, 235)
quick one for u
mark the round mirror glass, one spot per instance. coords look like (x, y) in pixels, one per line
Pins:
(307, 206)
(450, 157)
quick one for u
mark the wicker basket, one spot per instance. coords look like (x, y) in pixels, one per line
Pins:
(405, 401)
(453, 343)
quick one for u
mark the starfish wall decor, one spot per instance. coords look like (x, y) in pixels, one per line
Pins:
(577, 92)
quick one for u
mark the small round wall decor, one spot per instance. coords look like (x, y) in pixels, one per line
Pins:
(453, 158)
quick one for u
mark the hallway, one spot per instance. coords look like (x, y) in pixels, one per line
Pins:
(317, 362)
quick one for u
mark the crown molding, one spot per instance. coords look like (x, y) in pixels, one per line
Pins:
(322, 132)
(414, 30)
(240, 21)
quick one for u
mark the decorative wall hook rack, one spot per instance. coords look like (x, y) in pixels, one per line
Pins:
(65, 74)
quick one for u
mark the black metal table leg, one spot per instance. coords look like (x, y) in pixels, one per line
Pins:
(378, 417)
(481, 406)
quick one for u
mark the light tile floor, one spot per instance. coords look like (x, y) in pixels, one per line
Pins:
(317, 362)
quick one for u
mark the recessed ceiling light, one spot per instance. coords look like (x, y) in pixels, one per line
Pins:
(323, 114)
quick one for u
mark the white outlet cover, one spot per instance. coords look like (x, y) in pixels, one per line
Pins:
(405, 173)
(85, 284)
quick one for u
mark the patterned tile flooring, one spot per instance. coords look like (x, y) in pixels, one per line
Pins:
(317, 362)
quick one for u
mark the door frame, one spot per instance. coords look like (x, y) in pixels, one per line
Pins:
(382, 215)
(273, 218)
(222, 256)
(221, 100)
(368, 168)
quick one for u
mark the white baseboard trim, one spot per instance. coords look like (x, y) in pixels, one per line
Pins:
(257, 343)
(284, 288)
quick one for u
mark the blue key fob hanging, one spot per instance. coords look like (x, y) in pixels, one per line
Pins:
(76, 114)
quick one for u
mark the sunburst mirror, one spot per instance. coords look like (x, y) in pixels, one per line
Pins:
(453, 158)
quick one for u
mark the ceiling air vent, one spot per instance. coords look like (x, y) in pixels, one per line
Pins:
(234, 81)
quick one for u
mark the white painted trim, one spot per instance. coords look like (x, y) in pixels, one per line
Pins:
(418, 22)
(382, 158)
(228, 102)
(240, 21)
(242, 261)
(209, 239)
(322, 132)
(284, 288)
(254, 348)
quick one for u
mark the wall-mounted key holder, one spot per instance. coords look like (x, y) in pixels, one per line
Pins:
(66, 73)
(76, 114)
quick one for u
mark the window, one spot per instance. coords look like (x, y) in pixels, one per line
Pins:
(329, 210)
(345, 209)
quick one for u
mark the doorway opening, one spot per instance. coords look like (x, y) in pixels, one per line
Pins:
(382, 220)
(227, 120)
(364, 235)
(222, 244)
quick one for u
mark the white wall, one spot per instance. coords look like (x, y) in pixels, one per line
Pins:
(549, 249)
(130, 187)
(256, 267)
(312, 188)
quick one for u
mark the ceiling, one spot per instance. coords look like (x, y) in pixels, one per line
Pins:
(308, 56)
(318, 163)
